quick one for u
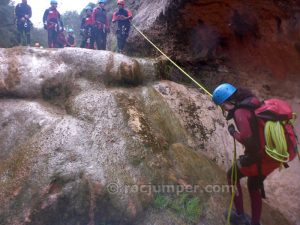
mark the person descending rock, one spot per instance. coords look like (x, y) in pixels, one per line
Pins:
(70, 40)
(23, 14)
(122, 16)
(101, 25)
(243, 106)
(86, 30)
(53, 24)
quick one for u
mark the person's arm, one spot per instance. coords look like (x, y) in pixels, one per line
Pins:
(129, 17)
(17, 12)
(244, 135)
(107, 25)
(45, 16)
(94, 16)
(115, 17)
(29, 14)
(82, 25)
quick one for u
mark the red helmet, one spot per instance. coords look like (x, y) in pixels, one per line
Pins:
(121, 2)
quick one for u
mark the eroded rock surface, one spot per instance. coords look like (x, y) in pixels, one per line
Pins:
(78, 140)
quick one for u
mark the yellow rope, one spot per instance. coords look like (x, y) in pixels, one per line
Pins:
(276, 145)
(233, 182)
(185, 73)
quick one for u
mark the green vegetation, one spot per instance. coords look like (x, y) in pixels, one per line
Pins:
(185, 206)
(193, 210)
(7, 26)
(161, 202)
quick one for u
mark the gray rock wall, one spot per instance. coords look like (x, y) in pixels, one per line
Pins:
(81, 130)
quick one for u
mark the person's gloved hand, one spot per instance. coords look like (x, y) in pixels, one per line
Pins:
(231, 129)
(246, 160)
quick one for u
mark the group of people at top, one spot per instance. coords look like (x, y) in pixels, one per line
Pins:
(94, 26)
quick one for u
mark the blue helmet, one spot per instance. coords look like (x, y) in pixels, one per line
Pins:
(53, 2)
(223, 92)
(102, 1)
(88, 8)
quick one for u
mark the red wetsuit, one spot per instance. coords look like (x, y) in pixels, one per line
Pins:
(254, 155)
(248, 135)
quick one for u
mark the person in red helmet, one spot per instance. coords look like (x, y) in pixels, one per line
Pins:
(101, 24)
(122, 17)
(53, 24)
(87, 29)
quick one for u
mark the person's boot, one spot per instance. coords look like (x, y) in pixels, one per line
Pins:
(238, 219)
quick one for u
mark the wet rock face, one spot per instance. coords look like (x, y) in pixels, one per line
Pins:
(253, 44)
(79, 141)
(51, 74)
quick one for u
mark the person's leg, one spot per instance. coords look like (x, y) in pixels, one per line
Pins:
(19, 33)
(92, 43)
(254, 185)
(125, 36)
(237, 216)
(101, 40)
(238, 198)
(83, 43)
(104, 41)
(55, 40)
(50, 38)
(98, 40)
(93, 38)
(122, 43)
(119, 40)
(27, 32)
